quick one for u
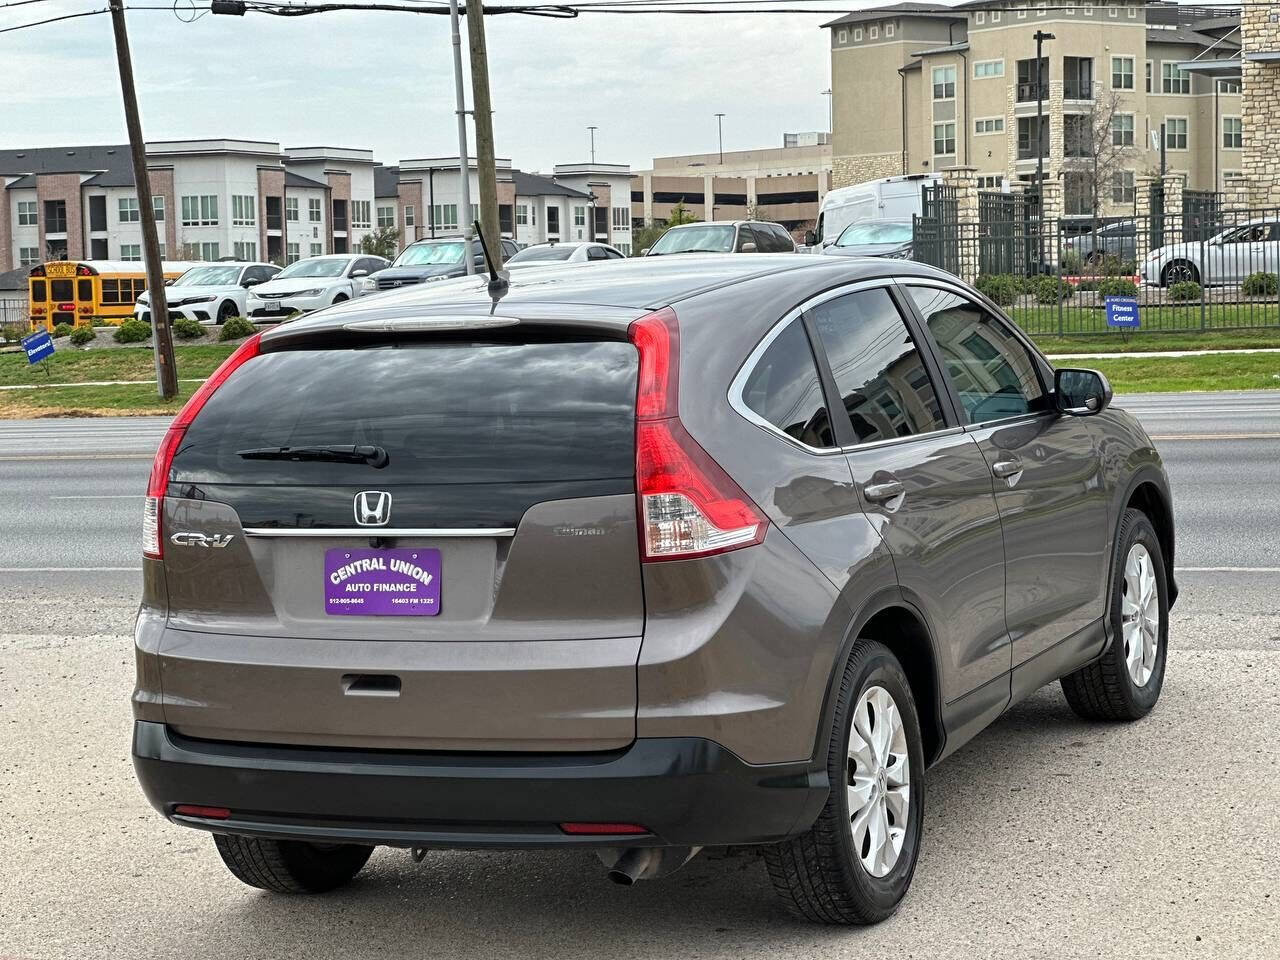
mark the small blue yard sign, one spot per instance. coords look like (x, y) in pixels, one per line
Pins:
(38, 345)
(1122, 312)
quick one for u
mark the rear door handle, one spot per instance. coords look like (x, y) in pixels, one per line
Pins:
(881, 492)
(370, 685)
(1007, 469)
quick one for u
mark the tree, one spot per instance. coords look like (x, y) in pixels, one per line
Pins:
(679, 214)
(1099, 145)
(642, 238)
(382, 242)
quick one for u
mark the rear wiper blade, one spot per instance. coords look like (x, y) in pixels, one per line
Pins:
(341, 453)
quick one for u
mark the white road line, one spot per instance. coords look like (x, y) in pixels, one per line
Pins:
(70, 569)
(105, 496)
(1227, 569)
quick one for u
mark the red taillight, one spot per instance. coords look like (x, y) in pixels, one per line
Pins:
(207, 813)
(603, 829)
(688, 505)
(158, 482)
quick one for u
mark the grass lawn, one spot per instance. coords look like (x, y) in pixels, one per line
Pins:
(1114, 342)
(124, 363)
(1246, 371)
(1080, 322)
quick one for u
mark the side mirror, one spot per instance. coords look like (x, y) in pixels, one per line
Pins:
(359, 273)
(747, 247)
(1081, 393)
(810, 238)
(169, 282)
(645, 251)
(251, 282)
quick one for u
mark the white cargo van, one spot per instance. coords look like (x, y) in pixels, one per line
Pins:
(889, 198)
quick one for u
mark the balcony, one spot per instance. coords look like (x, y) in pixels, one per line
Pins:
(1077, 90)
(1031, 92)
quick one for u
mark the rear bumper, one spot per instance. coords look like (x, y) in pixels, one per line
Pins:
(686, 791)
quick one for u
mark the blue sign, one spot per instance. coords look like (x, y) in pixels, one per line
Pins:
(38, 345)
(1122, 312)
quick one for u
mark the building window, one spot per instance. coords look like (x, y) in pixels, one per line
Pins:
(157, 206)
(857, 34)
(361, 215)
(55, 216)
(1040, 11)
(987, 125)
(1113, 10)
(1022, 12)
(1122, 73)
(1132, 12)
(873, 32)
(408, 215)
(316, 249)
(579, 216)
(980, 17)
(1077, 196)
(990, 181)
(200, 211)
(291, 209)
(1088, 11)
(1077, 78)
(26, 213)
(1148, 76)
(291, 253)
(842, 36)
(130, 212)
(1232, 133)
(522, 215)
(1175, 133)
(243, 210)
(1173, 79)
(1228, 86)
(995, 16)
(444, 216)
(130, 251)
(944, 139)
(985, 69)
(888, 29)
(944, 83)
(28, 256)
(386, 217)
(1122, 130)
(315, 210)
(1123, 187)
(622, 218)
(246, 250)
(200, 251)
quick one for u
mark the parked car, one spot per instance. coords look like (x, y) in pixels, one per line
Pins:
(544, 254)
(1118, 239)
(1226, 257)
(430, 260)
(210, 292)
(874, 238)
(310, 284)
(724, 236)
(888, 198)
(685, 552)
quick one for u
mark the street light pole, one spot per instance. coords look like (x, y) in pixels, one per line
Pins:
(831, 116)
(1041, 37)
(720, 132)
(464, 162)
(593, 143)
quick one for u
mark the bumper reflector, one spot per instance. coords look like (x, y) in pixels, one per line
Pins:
(605, 829)
(206, 813)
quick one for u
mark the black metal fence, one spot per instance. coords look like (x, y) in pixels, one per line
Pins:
(1205, 269)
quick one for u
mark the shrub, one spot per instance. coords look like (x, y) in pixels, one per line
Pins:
(13, 332)
(132, 330)
(1186, 290)
(1261, 284)
(236, 328)
(1117, 287)
(1051, 289)
(184, 328)
(1002, 288)
(1072, 264)
(82, 335)
(62, 330)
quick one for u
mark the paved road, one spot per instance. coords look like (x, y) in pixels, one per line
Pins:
(1045, 837)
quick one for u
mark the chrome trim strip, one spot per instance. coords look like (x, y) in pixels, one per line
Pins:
(417, 324)
(896, 441)
(380, 531)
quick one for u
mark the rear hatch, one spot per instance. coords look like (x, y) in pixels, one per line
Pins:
(410, 541)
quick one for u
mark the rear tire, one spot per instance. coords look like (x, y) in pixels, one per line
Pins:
(832, 873)
(1125, 683)
(1179, 271)
(290, 866)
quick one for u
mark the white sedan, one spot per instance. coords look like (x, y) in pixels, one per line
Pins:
(209, 292)
(546, 254)
(310, 284)
(1228, 257)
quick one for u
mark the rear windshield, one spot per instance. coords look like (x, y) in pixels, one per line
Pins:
(445, 414)
(543, 253)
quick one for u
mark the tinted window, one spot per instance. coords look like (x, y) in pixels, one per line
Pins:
(37, 291)
(993, 373)
(886, 389)
(61, 290)
(745, 236)
(597, 253)
(445, 413)
(559, 251)
(785, 243)
(784, 389)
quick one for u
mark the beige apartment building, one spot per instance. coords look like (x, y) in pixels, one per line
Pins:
(916, 90)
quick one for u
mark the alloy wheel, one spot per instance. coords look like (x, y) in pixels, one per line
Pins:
(1140, 615)
(879, 787)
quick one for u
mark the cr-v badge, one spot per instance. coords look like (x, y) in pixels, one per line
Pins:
(201, 539)
(373, 508)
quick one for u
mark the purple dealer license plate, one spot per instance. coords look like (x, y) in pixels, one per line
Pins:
(403, 582)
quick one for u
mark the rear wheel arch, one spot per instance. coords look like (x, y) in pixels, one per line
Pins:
(899, 625)
(1150, 497)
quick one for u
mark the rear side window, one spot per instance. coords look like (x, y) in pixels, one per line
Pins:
(877, 369)
(783, 389)
(446, 413)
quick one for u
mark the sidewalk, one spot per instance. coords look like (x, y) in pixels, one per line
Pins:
(1118, 355)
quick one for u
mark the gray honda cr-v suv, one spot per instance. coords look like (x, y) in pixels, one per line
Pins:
(642, 557)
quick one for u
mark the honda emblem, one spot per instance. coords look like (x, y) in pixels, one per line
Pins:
(373, 508)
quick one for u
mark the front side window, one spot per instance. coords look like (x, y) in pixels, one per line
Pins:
(784, 390)
(944, 83)
(877, 370)
(994, 375)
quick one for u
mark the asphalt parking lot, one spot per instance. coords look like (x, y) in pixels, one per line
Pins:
(1046, 836)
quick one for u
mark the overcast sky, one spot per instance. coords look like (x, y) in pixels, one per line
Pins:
(652, 84)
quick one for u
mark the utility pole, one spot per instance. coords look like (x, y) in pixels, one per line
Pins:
(720, 133)
(464, 161)
(166, 363)
(593, 143)
(1041, 140)
(482, 110)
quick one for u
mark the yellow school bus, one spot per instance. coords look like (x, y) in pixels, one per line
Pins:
(89, 291)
